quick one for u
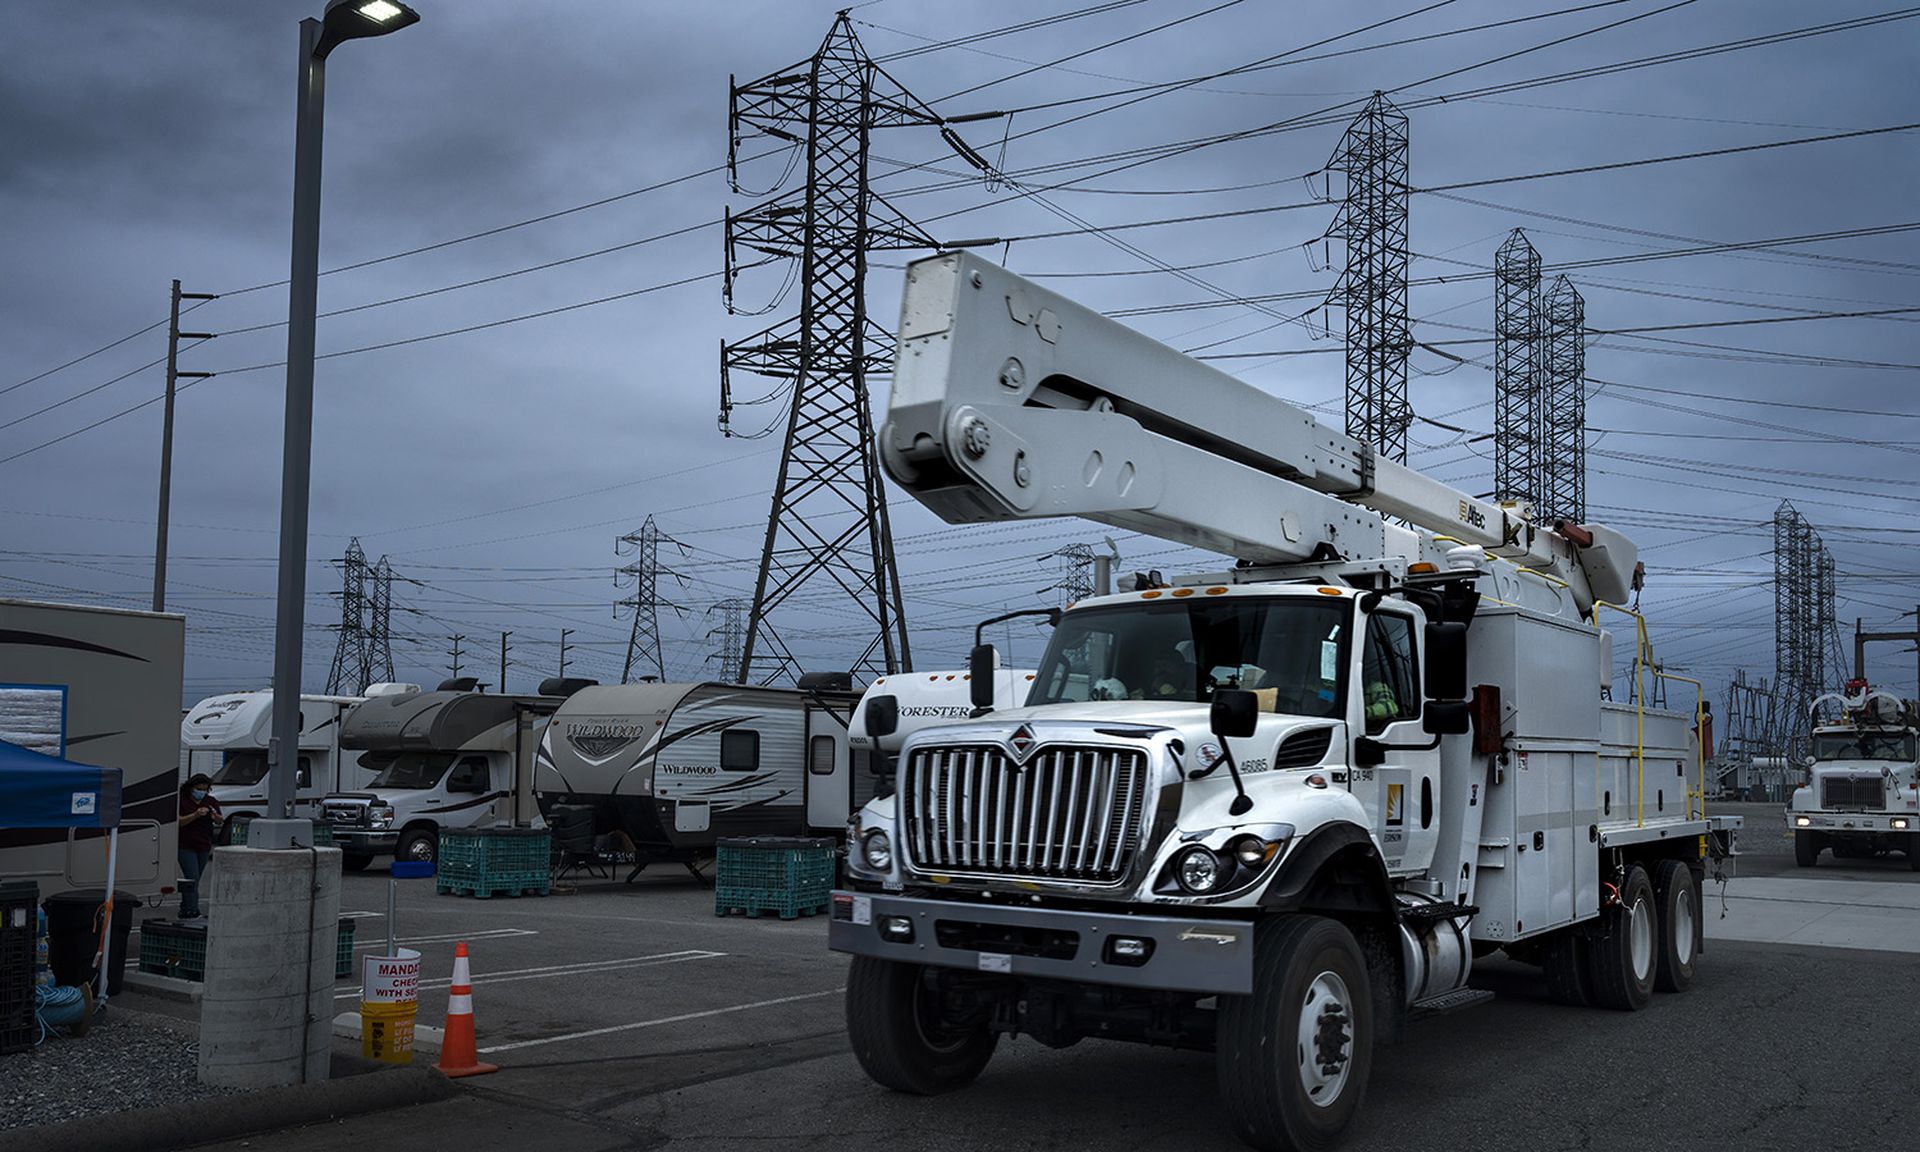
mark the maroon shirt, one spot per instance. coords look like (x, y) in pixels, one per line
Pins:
(197, 836)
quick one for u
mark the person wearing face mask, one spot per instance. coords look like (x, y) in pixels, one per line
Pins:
(199, 817)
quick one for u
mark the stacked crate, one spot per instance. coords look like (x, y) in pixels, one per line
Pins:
(786, 875)
(19, 923)
(180, 950)
(484, 862)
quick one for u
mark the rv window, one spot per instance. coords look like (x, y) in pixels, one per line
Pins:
(250, 767)
(739, 750)
(469, 776)
(411, 770)
(820, 756)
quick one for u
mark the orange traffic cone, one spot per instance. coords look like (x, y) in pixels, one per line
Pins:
(458, 1054)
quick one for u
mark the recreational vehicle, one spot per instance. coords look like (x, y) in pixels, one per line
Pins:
(97, 686)
(227, 737)
(677, 766)
(450, 758)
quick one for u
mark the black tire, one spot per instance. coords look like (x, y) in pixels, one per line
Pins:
(355, 861)
(1308, 976)
(1913, 851)
(417, 844)
(1806, 849)
(892, 1024)
(1623, 961)
(1565, 963)
(1677, 895)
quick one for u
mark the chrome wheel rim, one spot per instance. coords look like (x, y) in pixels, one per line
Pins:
(1640, 939)
(1683, 926)
(420, 850)
(1325, 1049)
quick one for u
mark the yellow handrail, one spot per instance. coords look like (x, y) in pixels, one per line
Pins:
(1643, 653)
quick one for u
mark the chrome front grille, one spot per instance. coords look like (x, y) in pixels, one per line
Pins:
(1067, 813)
(1863, 792)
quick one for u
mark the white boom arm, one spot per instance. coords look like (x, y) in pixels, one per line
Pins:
(1012, 402)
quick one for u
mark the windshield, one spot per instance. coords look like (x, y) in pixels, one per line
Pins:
(1289, 651)
(412, 770)
(1863, 746)
(242, 768)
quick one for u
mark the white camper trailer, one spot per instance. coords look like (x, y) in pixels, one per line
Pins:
(227, 736)
(451, 758)
(677, 766)
(98, 686)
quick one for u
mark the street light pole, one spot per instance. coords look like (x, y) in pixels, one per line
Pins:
(343, 20)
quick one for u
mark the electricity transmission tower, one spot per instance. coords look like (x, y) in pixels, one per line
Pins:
(347, 673)
(379, 667)
(1749, 746)
(1076, 572)
(828, 105)
(1804, 626)
(643, 645)
(730, 632)
(1560, 412)
(1516, 370)
(1373, 283)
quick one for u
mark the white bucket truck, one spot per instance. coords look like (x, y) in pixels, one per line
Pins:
(1862, 796)
(1276, 811)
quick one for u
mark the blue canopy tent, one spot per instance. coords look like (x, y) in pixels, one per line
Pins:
(40, 791)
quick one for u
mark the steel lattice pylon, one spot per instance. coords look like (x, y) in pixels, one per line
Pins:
(379, 666)
(730, 631)
(1560, 414)
(1076, 572)
(348, 671)
(1516, 369)
(1804, 624)
(1373, 283)
(643, 644)
(829, 105)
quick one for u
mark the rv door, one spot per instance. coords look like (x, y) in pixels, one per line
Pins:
(829, 772)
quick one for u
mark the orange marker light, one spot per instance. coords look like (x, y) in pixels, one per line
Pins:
(1216, 591)
(1183, 591)
(1149, 595)
(1328, 591)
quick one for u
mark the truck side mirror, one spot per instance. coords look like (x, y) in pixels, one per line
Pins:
(1446, 718)
(1446, 660)
(982, 663)
(883, 716)
(1236, 712)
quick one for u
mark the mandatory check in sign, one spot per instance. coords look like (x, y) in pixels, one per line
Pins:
(390, 979)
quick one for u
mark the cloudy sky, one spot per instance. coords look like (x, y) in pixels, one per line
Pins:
(492, 413)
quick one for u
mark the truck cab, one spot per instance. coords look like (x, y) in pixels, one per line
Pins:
(1862, 796)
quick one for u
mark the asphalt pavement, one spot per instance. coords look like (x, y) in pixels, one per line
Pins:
(632, 1017)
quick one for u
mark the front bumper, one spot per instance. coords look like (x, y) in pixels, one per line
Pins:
(1183, 955)
(374, 840)
(1853, 822)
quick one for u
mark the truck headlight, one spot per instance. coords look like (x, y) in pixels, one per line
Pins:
(878, 851)
(1899, 823)
(1803, 821)
(1197, 869)
(380, 817)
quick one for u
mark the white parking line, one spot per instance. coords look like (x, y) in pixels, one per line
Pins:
(486, 934)
(584, 968)
(684, 1016)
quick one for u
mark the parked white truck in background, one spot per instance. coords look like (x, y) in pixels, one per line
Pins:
(97, 686)
(1862, 796)
(451, 758)
(1277, 810)
(899, 705)
(226, 736)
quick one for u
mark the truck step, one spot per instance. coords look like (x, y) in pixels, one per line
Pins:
(1452, 1001)
(1428, 912)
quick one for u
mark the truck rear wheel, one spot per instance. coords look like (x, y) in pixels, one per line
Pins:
(1565, 960)
(1625, 960)
(1294, 1056)
(1913, 851)
(900, 1034)
(1806, 849)
(1679, 903)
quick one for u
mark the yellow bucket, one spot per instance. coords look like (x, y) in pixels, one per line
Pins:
(386, 1031)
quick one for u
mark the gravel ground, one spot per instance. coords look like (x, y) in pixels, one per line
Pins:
(120, 1064)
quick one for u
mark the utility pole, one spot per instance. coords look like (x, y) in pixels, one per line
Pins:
(1861, 639)
(564, 633)
(174, 375)
(454, 667)
(828, 106)
(503, 661)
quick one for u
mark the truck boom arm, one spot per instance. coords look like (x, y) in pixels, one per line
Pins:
(1012, 402)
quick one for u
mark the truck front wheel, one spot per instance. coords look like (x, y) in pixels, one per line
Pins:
(1294, 1056)
(1806, 849)
(902, 1036)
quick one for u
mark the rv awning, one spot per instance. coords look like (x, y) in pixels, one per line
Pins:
(39, 791)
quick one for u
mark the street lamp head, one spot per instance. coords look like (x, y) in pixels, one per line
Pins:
(353, 19)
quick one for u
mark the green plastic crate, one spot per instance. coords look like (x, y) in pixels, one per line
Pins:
(180, 950)
(786, 875)
(485, 862)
